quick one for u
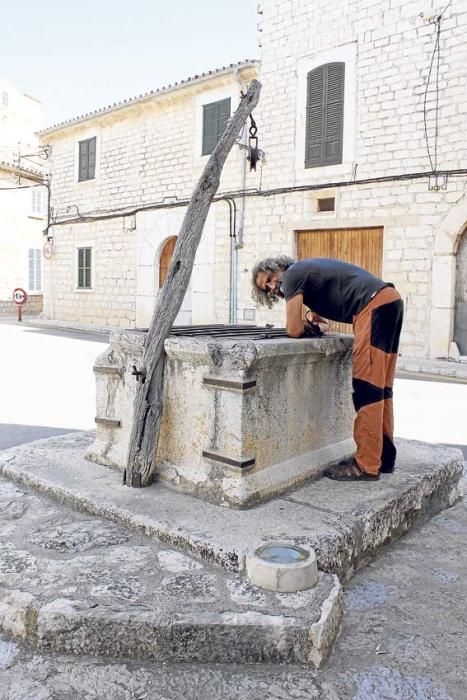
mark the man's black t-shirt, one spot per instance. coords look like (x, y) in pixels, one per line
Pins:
(332, 288)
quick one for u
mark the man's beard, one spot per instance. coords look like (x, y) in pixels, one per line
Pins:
(277, 294)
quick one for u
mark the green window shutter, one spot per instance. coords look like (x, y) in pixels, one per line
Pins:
(334, 119)
(209, 128)
(87, 268)
(87, 159)
(315, 110)
(84, 268)
(215, 117)
(324, 115)
(91, 158)
(80, 268)
(83, 160)
(223, 116)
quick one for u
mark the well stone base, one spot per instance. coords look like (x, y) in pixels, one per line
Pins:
(243, 419)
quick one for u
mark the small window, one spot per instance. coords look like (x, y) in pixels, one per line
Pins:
(325, 115)
(326, 204)
(4, 98)
(215, 118)
(34, 270)
(87, 159)
(84, 268)
(37, 201)
(165, 259)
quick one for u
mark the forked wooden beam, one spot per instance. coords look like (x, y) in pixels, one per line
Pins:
(148, 401)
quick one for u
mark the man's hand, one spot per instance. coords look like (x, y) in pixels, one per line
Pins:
(311, 330)
(317, 320)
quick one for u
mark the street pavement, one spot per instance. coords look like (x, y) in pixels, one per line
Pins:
(404, 633)
(47, 382)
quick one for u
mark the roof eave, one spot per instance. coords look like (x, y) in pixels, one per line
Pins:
(147, 97)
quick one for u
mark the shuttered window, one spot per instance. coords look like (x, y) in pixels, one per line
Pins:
(34, 270)
(87, 159)
(215, 117)
(84, 268)
(37, 202)
(325, 115)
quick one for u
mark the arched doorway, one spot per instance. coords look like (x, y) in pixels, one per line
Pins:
(460, 311)
(165, 258)
(162, 265)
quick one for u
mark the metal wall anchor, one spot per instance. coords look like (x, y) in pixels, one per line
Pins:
(139, 374)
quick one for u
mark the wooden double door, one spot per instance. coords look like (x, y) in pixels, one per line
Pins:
(360, 246)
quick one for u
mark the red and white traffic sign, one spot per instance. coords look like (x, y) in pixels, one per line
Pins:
(47, 250)
(19, 295)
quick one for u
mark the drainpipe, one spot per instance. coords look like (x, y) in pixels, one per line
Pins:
(233, 259)
(238, 241)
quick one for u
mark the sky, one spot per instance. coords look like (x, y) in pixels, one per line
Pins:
(78, 56)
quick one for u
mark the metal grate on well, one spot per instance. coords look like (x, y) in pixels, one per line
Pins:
(225, 331)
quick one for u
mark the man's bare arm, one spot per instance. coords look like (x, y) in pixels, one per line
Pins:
(294, 324)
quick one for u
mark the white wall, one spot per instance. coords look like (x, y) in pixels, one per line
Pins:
(387, 48)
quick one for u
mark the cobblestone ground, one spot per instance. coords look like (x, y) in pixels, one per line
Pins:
(403, 637)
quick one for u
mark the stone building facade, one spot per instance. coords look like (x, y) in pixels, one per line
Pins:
(386, 48)
(348, 171)
(148, 157)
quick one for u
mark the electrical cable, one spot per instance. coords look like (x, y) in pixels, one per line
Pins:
(436, 53)
(425, 111)
(22, 187)
(446, 8)
(437, 93)
(119, 213)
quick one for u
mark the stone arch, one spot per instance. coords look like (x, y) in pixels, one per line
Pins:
(162, 259)
(443, 280)
(460, 295)
(154, 230)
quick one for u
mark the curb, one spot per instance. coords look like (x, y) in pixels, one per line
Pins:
(357, 536)
(76, 627)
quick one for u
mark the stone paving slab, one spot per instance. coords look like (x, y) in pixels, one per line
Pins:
(402, 639)
(75, 583)
(346, 523)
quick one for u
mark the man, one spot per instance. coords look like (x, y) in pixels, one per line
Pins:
(339, 291)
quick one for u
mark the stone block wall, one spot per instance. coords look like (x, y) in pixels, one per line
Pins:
(32, 307)
(111, 301)
(151, 151)
(387, 48)
(411, 218)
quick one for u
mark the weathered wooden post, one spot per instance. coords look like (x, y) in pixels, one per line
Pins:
(148, 401)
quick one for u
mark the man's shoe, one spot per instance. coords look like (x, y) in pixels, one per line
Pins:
(387, 469)
(349, 471)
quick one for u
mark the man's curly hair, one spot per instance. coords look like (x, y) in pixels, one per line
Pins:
(262, 298)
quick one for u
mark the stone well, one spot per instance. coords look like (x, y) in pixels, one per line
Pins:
(244, 417)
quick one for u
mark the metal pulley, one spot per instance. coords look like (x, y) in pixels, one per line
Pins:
(253, 150)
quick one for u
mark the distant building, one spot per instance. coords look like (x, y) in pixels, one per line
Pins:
(23, 199)
(20, 116)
